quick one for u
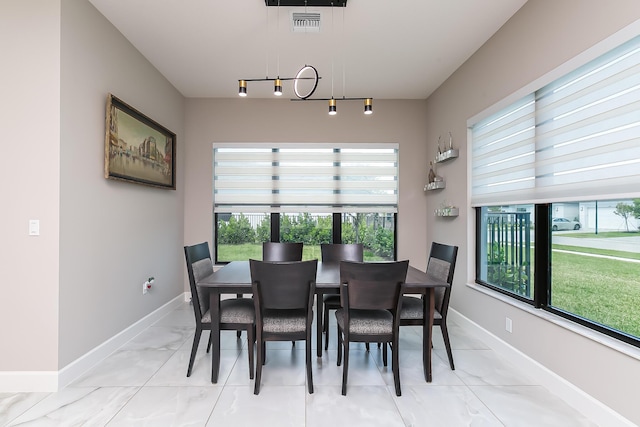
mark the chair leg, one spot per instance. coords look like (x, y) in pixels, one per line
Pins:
(366, 346)
(308, 361)
(264, 352)
(194, 349)
(345, 367)
(447, 344)
(395, 365)
(326, 328)
(339, 357)
(209, 343)
(250, 341)
(384, 354)
(325, 319)
(259, 363)
(238, 333)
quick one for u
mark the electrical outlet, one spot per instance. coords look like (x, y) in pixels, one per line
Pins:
(146, 286)
(508, 325)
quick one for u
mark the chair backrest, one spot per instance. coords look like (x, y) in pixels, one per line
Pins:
(372, 285)
(441, 265)
(199, 265)
(283, 285)
(281, 251)
(334, 252)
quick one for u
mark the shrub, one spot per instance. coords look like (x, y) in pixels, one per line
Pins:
(236, 231)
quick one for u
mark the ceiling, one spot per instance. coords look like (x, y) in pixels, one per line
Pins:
(400, 49)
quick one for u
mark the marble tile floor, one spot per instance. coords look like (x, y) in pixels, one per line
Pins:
(144, 383)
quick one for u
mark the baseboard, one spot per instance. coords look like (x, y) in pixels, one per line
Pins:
(28, 381)
(75, 369)
(574, 396)
(51, 381)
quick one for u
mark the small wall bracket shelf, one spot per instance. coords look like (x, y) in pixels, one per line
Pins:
(449, 211)
(436, 185)
(451, 153)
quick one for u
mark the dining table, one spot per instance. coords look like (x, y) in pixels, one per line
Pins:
(235, 278)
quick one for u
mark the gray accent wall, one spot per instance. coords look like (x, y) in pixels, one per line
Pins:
(281, 120)
(113, 235)
(79, 283)
(542, 36)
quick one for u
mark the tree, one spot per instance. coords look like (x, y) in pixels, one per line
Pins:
(636, 208)
(625, 211)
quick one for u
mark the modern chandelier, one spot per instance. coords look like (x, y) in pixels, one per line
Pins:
(305, 81)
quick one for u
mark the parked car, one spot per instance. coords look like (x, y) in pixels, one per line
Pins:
(564, 224)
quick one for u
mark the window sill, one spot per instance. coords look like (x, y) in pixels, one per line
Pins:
(595, 336)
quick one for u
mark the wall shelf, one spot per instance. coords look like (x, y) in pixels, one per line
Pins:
(447, 212)
(436, 185)
(451, 153)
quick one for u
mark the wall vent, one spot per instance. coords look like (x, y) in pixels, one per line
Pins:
(305, 22)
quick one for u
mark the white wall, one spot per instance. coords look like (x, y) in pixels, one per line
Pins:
(264, 120)
(113, 235)
(29, 184)
(543, 35)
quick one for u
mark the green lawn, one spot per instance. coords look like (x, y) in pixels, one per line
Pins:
(619, 254)
(247, 251)
(603, 290)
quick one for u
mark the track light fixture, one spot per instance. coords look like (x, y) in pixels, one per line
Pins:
(306, 80)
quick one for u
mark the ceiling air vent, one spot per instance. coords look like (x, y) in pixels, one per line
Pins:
(305, 22)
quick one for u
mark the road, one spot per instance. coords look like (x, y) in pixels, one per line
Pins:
(625, 244)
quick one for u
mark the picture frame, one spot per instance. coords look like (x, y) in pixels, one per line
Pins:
(137, 149)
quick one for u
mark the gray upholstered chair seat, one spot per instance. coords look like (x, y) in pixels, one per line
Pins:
(367, 321)
(412, 309)
(285, 321)
(240, 310)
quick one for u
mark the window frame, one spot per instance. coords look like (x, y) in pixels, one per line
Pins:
(542, 202)
(336, 232)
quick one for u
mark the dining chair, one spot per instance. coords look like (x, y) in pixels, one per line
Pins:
(441, 265)
(281, 251)
(336, 252)
(370, 294)
(283, 296)
(235, 314)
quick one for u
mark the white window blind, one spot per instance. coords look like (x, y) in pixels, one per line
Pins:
(503, 162)
(577, 138)
(305, 177)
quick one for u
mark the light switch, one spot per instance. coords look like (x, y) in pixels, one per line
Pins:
(34, 227)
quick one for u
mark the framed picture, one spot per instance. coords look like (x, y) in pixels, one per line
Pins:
(137, 149)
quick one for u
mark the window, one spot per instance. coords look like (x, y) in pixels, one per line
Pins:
(301, 193)
(555, 186)
(596, 263)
